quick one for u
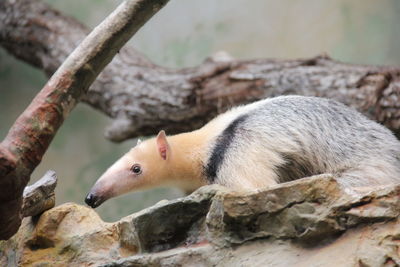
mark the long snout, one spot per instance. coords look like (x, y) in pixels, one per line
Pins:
(100, 192)
(112, 183)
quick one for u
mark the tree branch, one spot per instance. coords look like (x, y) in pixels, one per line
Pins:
(143, 98)
(28, 139)
(40, 196)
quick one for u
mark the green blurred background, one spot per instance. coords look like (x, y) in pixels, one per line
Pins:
(183, 34)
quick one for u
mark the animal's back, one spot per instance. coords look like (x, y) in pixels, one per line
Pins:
(290, 137)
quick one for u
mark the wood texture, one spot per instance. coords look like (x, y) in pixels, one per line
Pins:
(40, 196)
(29, 137)
(143, 98)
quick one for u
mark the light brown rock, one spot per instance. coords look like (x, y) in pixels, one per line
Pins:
(69, 234)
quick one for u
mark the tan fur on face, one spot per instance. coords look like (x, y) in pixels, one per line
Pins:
(182, 168)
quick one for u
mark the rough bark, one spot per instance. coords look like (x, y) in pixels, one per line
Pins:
(143, 98)
(22, 149)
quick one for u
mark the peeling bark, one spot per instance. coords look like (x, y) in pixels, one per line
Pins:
(143, 98)
(28, 139)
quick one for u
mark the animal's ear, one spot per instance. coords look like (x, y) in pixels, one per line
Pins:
(162, 144)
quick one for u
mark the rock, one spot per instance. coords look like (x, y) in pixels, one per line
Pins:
(307, 211)
(68, 233)
(309, 222)
(192, 256)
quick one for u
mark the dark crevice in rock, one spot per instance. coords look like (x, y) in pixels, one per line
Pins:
(40, 243)
(361, 202)
(173, 226)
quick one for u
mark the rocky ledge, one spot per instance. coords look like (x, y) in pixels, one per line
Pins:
(309, 222)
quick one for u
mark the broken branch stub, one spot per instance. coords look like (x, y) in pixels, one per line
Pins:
(40, 196)
(28, 139)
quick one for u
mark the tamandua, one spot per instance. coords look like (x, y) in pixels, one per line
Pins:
(261, 144)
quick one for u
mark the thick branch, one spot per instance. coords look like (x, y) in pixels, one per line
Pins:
(28, 139)
(143, 98)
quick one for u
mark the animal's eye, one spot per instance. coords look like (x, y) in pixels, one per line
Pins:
(136, 169)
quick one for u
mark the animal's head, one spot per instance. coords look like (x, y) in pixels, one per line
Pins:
(144, 166)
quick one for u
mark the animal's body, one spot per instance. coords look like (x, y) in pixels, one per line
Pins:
(258, 145)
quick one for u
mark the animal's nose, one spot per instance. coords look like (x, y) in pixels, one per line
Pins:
(91, 200)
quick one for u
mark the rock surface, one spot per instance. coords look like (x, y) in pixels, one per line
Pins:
(309, 222)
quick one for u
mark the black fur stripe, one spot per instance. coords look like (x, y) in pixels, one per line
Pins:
(224, 140)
